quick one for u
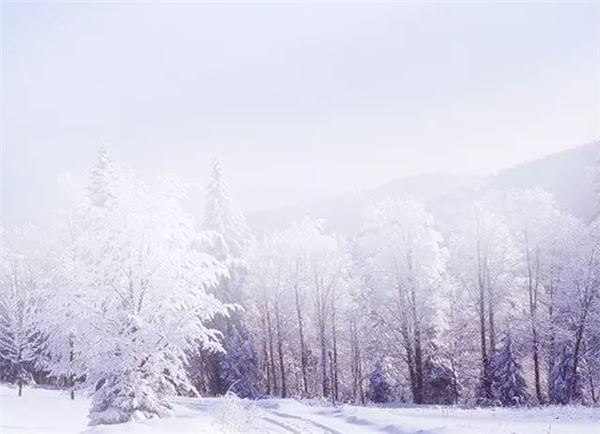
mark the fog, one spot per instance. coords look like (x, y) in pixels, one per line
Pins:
(261, 217)
(298, 101)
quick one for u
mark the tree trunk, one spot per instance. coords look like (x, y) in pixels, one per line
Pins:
(532, 279)
(485, 361)
(536, 365)
(592, 388)
(331, 376)
(323, 345)
(552, 341)
(280, 352)
(492, 327)
(576, 351)
(265, 351)
(587, 302)
(271, 353)
(334, 370)
(303, 356)
(485, 368)
(418, 396)
(355, 362)
(410, 362)
(72, 374)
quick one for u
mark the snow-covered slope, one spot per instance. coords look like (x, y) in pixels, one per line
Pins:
(51, 412)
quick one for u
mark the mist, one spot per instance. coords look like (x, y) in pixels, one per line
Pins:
(298, 101)
(281, 217)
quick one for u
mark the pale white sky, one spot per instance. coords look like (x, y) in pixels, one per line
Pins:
(299, 100)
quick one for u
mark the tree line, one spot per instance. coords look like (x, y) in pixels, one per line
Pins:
(129, 296)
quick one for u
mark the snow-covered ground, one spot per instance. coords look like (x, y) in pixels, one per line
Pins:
(52, 412)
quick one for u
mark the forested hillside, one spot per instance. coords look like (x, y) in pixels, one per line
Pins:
(567, 175)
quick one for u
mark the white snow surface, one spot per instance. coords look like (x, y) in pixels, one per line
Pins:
(41, 411)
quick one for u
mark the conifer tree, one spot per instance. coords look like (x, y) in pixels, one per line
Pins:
(439, 383)
(379, 388)
(222, 217)
(232, 236)
(508, 383)
(238, 365)
(103, 180)
(563, 386)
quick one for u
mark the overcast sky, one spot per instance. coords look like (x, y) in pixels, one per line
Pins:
(298, 100)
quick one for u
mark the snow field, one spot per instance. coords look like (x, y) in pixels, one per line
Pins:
(41, 411)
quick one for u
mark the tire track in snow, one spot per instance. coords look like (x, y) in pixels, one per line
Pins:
(311, 423)
(286, 427)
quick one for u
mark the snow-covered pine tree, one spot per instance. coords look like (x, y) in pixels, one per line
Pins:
(379, 390)
(231, 237)
(238, 365)
(563, 386)
(223, 217)
(439, 384)
(508, 384)
(103, 179)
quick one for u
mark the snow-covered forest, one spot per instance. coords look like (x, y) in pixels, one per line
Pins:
(130, 297)
(299, 217)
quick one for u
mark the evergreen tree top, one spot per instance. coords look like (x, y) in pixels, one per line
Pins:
(102, 179)
(221, 214)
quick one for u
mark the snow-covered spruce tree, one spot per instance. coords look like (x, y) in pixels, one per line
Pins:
(564, 384)
(139, 273)
(231, 236)
(223, 217)
(22, 276)
(439, 383)
(379, 390)
(239, 364)
(103, 180)
(508, 384)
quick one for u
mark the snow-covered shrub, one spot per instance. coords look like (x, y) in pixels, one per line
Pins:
(127, 396)
(236, 414)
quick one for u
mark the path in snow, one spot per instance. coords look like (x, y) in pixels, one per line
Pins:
(52, 412)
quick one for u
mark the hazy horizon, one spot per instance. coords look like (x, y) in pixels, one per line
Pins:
(300, 101)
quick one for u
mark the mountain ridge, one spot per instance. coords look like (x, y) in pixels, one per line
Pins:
(566, 174)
